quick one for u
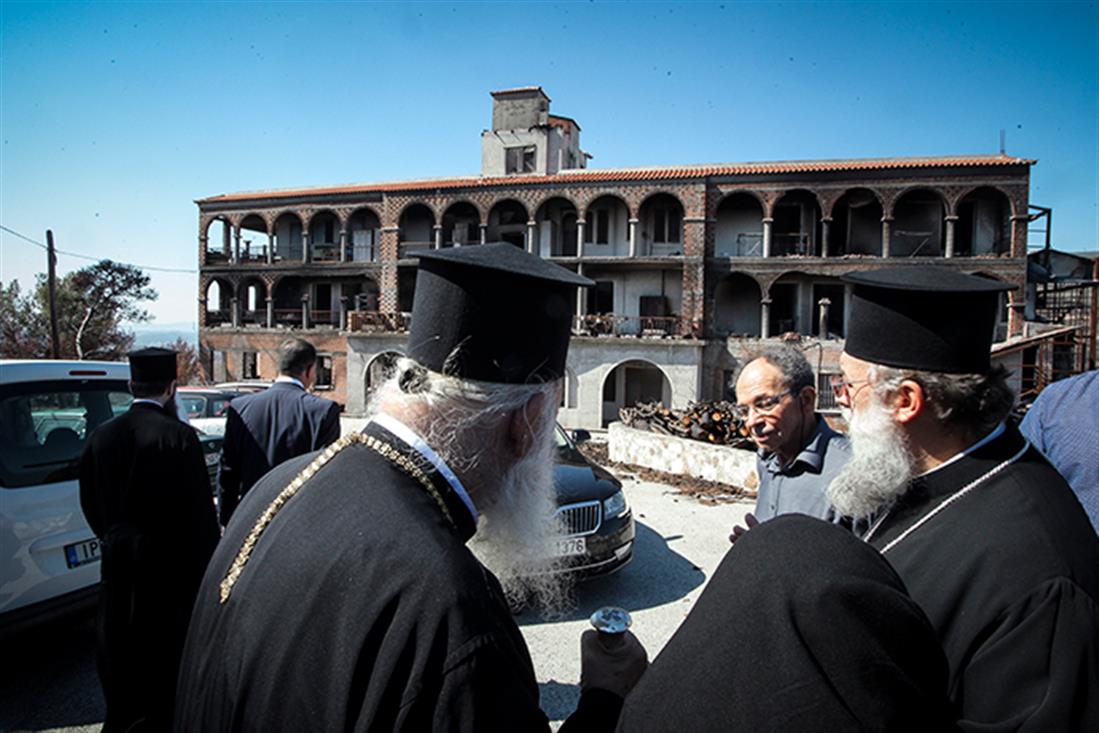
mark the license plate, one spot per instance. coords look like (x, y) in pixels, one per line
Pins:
(82, 553)
(570, 546)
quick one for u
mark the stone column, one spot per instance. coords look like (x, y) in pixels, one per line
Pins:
(885, 222)
(484, 231)
(765, 317)
(633, 237)
(343, 313)
(202, 241)
(387, 280)
(822, 323)
(438, 232)
(580, 292)
(202, 311)
(226, 239)
(270, 312)
(343, 245)
(234, 311)
(580, 224)
(270, 249)
(306, 255)
(532, 230)
(305, 311)
(236, 245)
(848, 290)
(825, 227)
(767, 222)
(949, 249)
(1019, 224)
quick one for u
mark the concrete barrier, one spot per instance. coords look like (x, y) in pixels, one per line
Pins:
(721, 463)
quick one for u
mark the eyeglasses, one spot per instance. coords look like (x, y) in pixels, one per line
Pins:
(841, 387)
(762, 406)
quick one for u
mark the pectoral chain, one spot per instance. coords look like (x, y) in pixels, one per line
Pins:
(943, 504)
(382, 448)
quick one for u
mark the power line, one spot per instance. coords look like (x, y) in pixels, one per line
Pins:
(93, 259)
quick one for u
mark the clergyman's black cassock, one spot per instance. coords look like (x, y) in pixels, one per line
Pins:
(359, 609)
(1009, 576)
(802, 628)
(146, 494)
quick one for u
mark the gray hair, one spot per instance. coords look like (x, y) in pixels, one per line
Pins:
(791, 362)
(455, 406)
(973, 404)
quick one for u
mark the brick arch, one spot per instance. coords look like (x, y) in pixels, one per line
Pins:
(724, 193)
(541, 201)
(278, 214)
(482, 211)
(594, 196)
(961, 193)
(652, 193)
(205, 222)
(892, 200)
(314, 213)
(262, 217)
(409, 203)
(352, 210)
(840, 194)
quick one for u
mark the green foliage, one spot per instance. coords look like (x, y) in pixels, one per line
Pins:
(92, 304)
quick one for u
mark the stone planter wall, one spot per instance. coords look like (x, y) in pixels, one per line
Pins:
(734, 466)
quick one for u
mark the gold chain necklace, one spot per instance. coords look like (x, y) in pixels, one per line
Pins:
(383, 449)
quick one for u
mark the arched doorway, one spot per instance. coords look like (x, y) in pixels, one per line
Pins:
(984, 224)
(556, 235)
(461, 225)
(633, 382)
(856, 224)
(917, 229)
(796, 225)
(507, 222)
(737, 306)
(739, 227)
(380, 369)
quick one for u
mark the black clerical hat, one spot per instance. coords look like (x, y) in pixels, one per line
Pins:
(152, 365)
(923, 317)
(493, 313)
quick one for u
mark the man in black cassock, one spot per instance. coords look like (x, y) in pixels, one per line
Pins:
(146, 494)
(988, 538)
(344, 595)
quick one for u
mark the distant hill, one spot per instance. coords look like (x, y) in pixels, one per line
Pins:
(158, 334)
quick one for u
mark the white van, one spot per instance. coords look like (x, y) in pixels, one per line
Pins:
(49, 558)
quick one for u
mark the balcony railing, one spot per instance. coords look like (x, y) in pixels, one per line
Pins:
(216, 257)
(612, 325)
(217, 317)
(377, 322)
(253, 253)
(325, 252)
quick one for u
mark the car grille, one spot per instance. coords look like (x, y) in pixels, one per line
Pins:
(581, 518)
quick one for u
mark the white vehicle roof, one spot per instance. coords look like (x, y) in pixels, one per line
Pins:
(14, 371)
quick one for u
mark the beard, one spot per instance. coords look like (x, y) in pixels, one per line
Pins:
(517, 532)
(880, 467)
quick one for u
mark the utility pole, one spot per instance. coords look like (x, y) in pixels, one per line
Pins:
(51, 279)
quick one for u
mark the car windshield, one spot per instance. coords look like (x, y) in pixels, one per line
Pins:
(194, 405)
(559, 438)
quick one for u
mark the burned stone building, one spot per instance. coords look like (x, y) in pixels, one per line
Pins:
(693, 264)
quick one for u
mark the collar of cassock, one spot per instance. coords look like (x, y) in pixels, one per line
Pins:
(405, 440)
(934, 487)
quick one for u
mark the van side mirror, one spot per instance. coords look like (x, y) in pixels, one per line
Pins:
(580, 436)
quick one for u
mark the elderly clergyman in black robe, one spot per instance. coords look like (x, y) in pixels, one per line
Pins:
(987, 537)
(343, 595)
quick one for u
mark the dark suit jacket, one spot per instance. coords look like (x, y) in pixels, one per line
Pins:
(264, 429)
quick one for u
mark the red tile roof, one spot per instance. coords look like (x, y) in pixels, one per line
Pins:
(664, 173)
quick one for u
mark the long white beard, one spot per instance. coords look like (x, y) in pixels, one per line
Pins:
(516, 533)
(880, 466)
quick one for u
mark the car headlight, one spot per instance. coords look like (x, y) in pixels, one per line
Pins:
(614, 505)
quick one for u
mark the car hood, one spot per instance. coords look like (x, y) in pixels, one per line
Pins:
(578, 480)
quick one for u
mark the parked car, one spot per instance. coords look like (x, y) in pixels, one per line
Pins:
(211, 452)
(592, 507)
(49, 557)
(247, 386)
(207, 407)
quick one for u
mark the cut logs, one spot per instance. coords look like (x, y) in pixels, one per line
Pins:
(710, 422)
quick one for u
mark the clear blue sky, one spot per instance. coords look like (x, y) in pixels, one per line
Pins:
(114, 117)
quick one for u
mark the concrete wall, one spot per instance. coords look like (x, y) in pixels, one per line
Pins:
(732, 222)
(733, 466)
(494, 145)
(361, 350)
(229, 347)
(592, 359)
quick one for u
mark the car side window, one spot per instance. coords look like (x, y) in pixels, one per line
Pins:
(219, 408)
(43, 427)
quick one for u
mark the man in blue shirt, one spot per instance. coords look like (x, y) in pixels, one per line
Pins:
(1063, 423)
(799, 454)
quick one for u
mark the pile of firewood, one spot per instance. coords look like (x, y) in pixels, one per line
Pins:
(710, 422)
